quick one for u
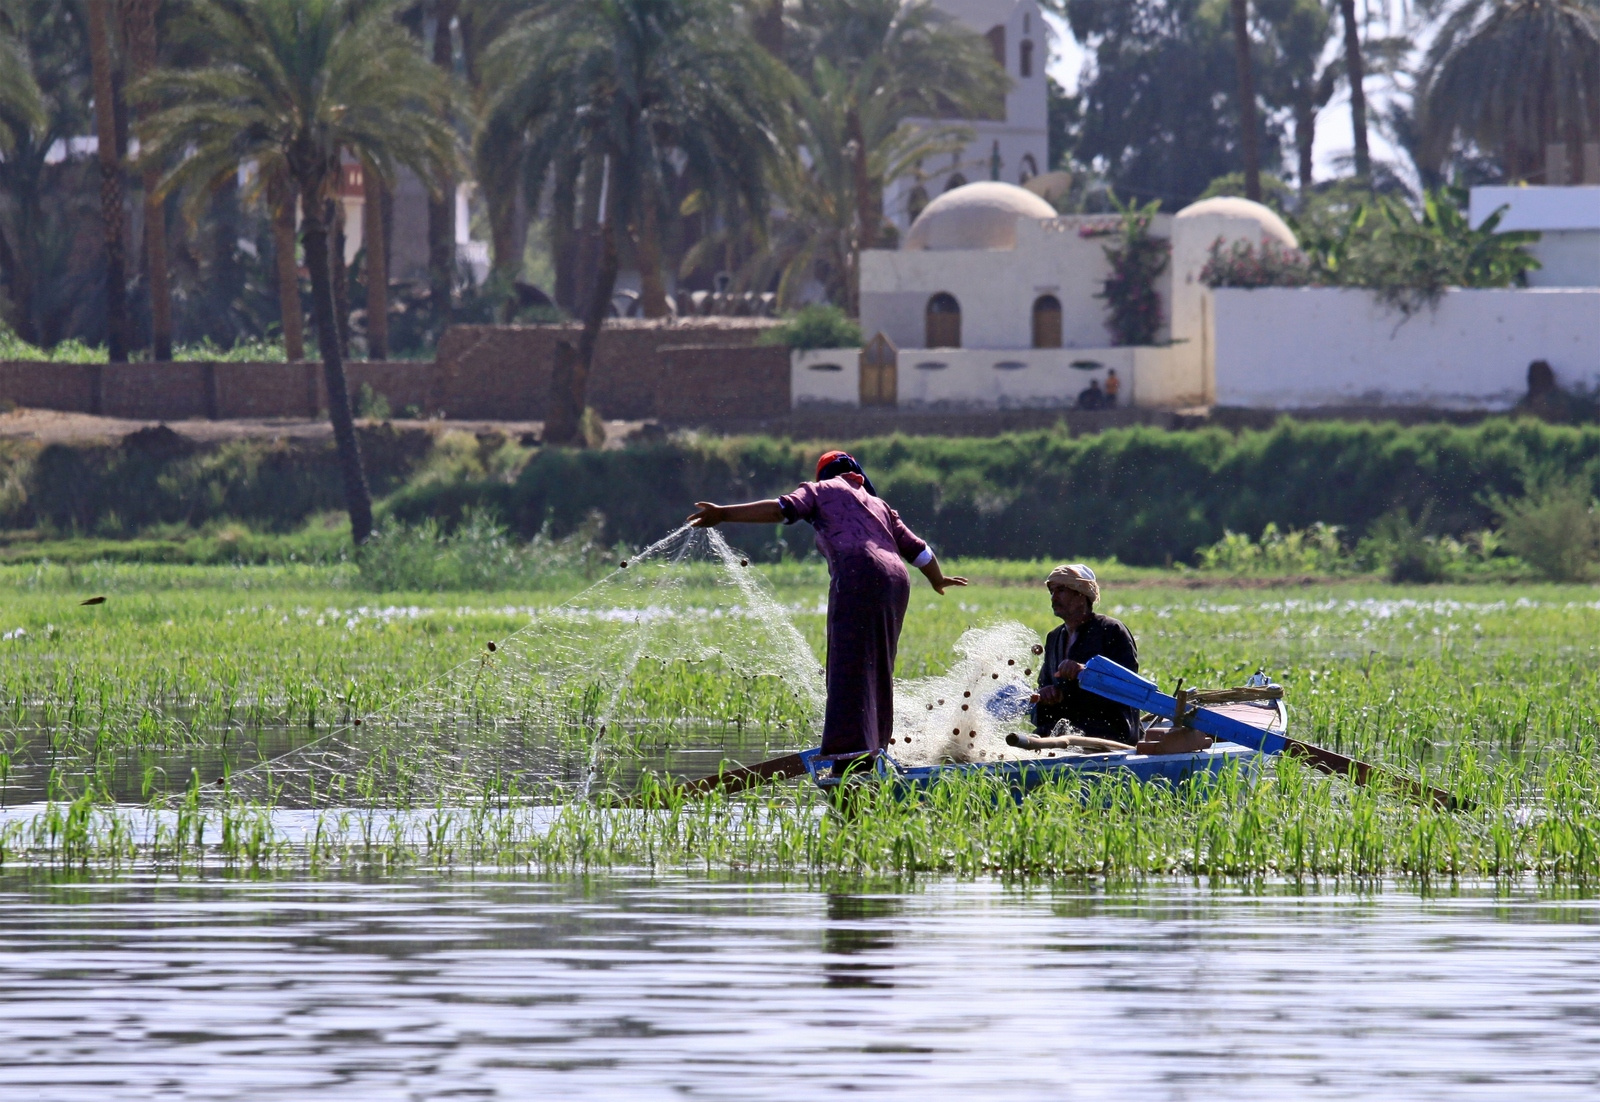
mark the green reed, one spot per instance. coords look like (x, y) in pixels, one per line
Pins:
(1491, 692)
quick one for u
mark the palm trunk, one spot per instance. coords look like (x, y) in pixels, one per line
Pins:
(376, 196)
(340, 272)
(142, 43)
(442, 207)
(19, 280)
(357, 499)
(652, 288)
(1305, 137)
(105, 119)
(1247, 100)
(281, 199)
(866, 215)
(1355, 68)
(563, 247)
(565, 426)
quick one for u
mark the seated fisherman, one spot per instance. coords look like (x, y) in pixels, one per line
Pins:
(1083, 634)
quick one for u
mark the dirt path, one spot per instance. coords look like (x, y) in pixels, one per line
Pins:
(55, 427)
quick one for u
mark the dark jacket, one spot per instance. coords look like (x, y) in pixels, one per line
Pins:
(1089, 713)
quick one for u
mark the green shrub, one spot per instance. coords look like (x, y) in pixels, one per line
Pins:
(1554, 528)
(821, 325)
(1404, 551)
(480, 553)
(1141, 495)
(1313, 550)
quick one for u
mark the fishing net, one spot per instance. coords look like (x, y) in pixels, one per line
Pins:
(964, 714)
(677, 660)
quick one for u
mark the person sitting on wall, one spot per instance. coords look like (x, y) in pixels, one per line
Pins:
(1083, 634)
(1113, 387)
(1091, 396)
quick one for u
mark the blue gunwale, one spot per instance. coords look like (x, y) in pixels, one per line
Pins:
(1238, 744)
(1024, 776)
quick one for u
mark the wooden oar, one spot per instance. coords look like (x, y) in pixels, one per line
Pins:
(1106, 678)
(737, 779)
(1068, 742)
(1329, 761)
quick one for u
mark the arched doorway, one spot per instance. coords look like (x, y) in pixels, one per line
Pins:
(942, 322)
(917, 200)
(1047, 322)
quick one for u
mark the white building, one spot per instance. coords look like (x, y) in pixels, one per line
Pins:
(1567, 220)
(1013, 148)
(994, 302)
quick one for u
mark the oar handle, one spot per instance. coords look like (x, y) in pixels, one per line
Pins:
(1339, 765)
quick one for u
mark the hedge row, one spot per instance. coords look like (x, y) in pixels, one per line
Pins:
(1143, 495)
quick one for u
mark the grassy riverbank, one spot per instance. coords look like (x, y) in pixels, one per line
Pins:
(1491, 691)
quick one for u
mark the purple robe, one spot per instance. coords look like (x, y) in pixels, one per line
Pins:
(865, 543)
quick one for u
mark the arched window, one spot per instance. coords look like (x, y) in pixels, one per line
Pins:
(1047, 322)
(997, 43)
(942, 322)
(1025, 58)
(955, 181)
(1030, 168)
(916, 201)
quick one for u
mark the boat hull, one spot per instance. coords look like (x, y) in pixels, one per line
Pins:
(1022, 777)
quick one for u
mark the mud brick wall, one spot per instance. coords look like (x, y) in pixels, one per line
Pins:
(503, 371)
(73, 387)
(642, 369)
(703, 383)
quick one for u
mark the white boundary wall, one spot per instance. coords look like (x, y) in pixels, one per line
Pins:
(1288, 348)
(825, 377)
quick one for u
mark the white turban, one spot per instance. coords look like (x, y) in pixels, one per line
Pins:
(1076, 577)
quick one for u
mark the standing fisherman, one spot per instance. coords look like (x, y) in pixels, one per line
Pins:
(864, 542)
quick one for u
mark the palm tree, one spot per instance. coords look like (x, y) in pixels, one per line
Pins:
(1356, 74)
(141, 27)
(815, 235)
(101, 30)
(21, 105)
(626, 91)
(1526, 77)
(293, 87)
(904, 60)
(1247, 100)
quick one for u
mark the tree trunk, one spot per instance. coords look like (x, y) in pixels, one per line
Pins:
(652, 288)
(105, 119)
(442, 207)
(280, 197)
(340, 272)
(563, 247)
(767, 28)
(1247, 100)
(20, 280)
(866, 216)
(142, 42)
(357, 499)
(567, 426)
(375, 196)
(586, 254)
(1355, 68)
(1305, 136)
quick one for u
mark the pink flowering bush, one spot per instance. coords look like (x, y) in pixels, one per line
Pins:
(1271, 264)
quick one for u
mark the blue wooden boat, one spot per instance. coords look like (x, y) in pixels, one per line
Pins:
(1246, 734)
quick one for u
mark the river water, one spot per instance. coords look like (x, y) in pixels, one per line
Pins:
(619, 986)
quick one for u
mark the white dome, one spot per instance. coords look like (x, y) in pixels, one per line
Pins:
(976, 216)
(1231, 206)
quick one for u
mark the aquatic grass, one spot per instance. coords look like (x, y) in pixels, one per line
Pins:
(110, 716)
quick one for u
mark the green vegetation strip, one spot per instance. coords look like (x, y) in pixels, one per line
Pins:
(1490, 692)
